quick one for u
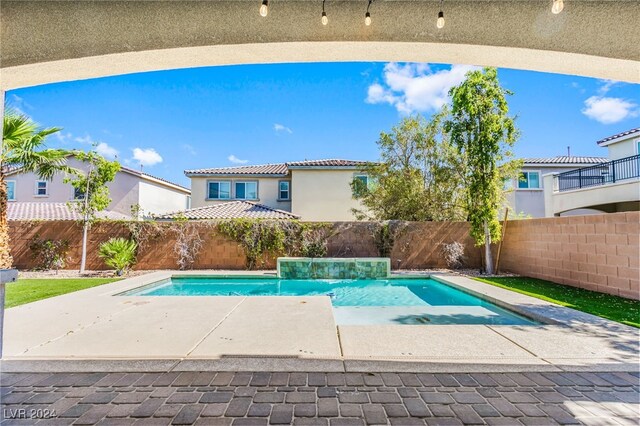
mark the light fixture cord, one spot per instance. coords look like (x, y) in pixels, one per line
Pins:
(370, 1)
(323, 5)
(441, 1)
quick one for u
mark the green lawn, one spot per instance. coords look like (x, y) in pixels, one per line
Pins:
(607, 306)
(26, 291)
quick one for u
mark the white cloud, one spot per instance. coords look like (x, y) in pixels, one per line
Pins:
(146, 157)
(106, 151)
(280, 128)
(609, 110)
(63, 137)
(606, 86)
(86, 139)
(414, 87)
(236, 160)
(20, 105)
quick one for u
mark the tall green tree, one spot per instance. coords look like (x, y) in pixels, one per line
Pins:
(484, 133)
(419, 175)
(23, 147)
(91, 192)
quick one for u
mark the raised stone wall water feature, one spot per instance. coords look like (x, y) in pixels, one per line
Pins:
(333, 268)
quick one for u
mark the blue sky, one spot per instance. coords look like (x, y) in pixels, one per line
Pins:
(251, 114)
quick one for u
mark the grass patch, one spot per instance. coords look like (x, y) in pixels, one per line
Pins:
(30, 290)
(615, 308)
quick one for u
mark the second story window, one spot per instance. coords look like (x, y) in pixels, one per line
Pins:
(42, 188)
(283, 190)
(11, 190)
(219, 191)
(246, 190)
(529, 180)
(78, 194)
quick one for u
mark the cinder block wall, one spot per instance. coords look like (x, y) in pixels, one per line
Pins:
(596, 252)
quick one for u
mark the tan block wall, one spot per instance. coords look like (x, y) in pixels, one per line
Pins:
(596, 252)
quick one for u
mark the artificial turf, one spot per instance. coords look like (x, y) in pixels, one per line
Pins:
(615, 308)
(29, 290)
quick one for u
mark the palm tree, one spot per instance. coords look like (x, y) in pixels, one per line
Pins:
(23, 147)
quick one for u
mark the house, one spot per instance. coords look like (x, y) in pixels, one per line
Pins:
(317, 190)
(231, 210)
(130, 189)
(526, 194)
(611, 186)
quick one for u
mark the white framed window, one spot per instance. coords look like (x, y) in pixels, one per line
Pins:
(218, 190)
(11, 190)
(42, 188)
(364, 179)
(78, 194)
(284, 190)
(529, 180)
(246, 190)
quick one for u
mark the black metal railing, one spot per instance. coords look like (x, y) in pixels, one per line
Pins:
(600, 174)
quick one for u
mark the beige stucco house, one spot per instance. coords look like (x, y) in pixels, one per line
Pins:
(318, 190)
(526, 195)
(154, 196)
(612, 186)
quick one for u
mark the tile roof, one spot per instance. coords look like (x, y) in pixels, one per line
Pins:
(232, 210)
(563, 159)
(280, 169)
(619, 135)
(51, 211)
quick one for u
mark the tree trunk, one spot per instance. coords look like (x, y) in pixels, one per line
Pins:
(487, 250)
(5, 249)
(83, 260)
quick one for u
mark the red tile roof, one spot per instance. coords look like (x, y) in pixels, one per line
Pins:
(277, 169)
(563, 159)
(619, 135)
(232, 210)
(17, 210)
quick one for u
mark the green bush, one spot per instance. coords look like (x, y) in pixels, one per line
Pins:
(52, 254)
(119, 253)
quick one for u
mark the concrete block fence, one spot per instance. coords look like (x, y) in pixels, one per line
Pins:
(599, 252)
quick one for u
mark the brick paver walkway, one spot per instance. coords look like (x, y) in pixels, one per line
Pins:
(263, 398)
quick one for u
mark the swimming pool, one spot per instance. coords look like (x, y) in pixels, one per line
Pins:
(413, 301)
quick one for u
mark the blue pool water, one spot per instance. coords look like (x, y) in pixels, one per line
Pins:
(388, 301)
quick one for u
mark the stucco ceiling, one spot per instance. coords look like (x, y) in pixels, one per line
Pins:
(49, 41)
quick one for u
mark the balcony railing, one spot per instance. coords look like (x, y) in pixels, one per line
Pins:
(601, 174)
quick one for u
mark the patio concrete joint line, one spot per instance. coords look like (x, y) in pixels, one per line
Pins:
(516, 343)
(214, 327)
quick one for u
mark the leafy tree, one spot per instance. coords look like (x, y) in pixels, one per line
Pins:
(23, 146)
(484, 134)
(418, 178)
(92, 190)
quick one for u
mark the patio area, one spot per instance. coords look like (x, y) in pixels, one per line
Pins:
(91, 330)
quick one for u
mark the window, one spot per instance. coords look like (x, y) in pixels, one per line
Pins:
(246, 190)
(283, 190)
(529, 180)
(507, 184)
(78, 194)
(11, 190)
(219, 191)
(364, 179)
(41, 188)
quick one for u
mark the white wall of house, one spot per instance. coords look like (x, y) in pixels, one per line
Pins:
(323, 195)
(158, 199)
(623, 148)
(125, 191)
(268, 192)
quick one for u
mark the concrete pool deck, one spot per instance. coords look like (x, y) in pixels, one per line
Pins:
(92, 330)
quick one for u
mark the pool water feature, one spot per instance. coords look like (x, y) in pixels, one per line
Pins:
(411, 301)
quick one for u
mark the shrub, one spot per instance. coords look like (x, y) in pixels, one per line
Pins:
(118, 253)
(314, 241)
(52, 254)
(453, 254)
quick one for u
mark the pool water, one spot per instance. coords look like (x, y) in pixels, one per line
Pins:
(355, 302)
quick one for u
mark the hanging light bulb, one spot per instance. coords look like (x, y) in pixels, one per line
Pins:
(264, 9)
(325, 20)
(557, 6)
(367, 16)
(440, 21)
